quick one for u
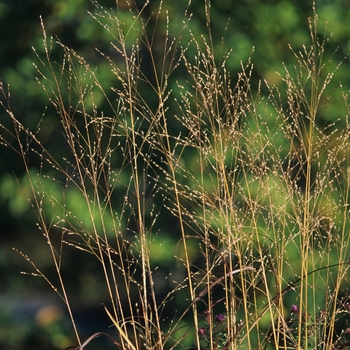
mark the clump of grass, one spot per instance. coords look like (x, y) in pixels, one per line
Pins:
(316, 329)
(255, 182)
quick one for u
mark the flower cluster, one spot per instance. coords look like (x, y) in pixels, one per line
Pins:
(311, 332)
(214, 331)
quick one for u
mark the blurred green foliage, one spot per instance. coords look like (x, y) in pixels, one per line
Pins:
(268, 26)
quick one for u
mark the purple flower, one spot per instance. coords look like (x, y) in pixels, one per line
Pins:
(201, 331)
(220, 318)
(294, 309)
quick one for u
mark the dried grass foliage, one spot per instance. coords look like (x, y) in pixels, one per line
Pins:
(250, 177)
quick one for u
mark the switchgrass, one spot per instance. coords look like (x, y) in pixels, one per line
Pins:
(254, 183)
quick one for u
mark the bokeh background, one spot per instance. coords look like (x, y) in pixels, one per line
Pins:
(31, 314)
